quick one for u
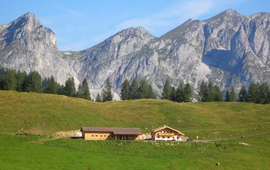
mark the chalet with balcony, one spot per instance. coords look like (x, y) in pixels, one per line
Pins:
(166, 133)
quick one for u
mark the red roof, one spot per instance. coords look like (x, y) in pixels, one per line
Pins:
(114, 130)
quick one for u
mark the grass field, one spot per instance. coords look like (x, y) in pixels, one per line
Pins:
(220, 127)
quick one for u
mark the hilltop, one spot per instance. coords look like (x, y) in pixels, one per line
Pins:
(46, 114)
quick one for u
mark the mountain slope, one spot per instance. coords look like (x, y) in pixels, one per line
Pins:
(27, 45)
(47, 114)
(228, 48)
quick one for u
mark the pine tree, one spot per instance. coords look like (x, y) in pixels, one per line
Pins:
(203, 91)
(209, 92)
(173, 94)
(242, 96)
(150, 93)
(143, 89)
(232, 94)
(52, 86)
(187, 93)
(167, 90)
(263, 93)
(251, 95)
(69, 89)
(10, 81)
(107, 92)
(217, 95)
(33, 82)
(20, 80)
(227, 96)
(125, 90)
(60, 89)
(133, 91)
(85, 90)
(98, 98)
(180, 93)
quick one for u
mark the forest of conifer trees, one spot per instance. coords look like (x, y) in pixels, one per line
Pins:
(32, 82)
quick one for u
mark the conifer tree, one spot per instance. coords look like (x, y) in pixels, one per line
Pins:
(60, 89)
(232, 94)
(251, 95)
(180, 93)
(217, 95)
(173, 94)
(125, 90)
(98, 98)
(10, 81)
(263, 93)
(133, 91)
(242, 96)
(150, 93)
(85, 90)
(167, 90)
(107, 92)
(33, 82)
(187, 93)
(209, 92)
(69, 89)
(227, 96)
(52, 86)
(143, 89)
(20, 80)
(203, 91)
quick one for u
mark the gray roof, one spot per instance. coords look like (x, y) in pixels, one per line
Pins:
(114, 130)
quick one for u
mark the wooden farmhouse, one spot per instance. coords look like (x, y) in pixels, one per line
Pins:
(166, 133)
(110, 133)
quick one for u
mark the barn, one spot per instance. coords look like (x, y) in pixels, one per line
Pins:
(110, 133)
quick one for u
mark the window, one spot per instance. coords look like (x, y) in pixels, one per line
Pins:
(104, 135)
(96, 135)
(101, 136)
(93, 135)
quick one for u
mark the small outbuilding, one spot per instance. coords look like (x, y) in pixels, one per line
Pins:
(110, 133)
(166, 133)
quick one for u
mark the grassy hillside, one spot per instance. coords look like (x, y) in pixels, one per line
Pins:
(222, 127)
(46, 114)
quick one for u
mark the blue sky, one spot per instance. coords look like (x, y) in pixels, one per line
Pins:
(83, 23)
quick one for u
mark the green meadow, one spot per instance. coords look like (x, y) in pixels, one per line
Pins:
(234, 134)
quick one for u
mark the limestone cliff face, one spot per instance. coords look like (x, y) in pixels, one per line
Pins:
(227, 49)
(27, 45)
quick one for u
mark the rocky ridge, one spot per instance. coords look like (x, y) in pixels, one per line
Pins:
(228, 48)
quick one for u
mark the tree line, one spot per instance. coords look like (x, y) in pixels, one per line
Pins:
(183, 93)
(255, 93)
(32, 82)
(135, 90)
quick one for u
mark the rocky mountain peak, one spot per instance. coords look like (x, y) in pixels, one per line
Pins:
(229, 48)
(227, 16)
(28, 21)
(138, 31)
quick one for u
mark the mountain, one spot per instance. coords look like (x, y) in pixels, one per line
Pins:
(226, 49)
(27, 45)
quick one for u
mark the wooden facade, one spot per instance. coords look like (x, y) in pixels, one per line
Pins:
(110, 133)
(166, 133)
